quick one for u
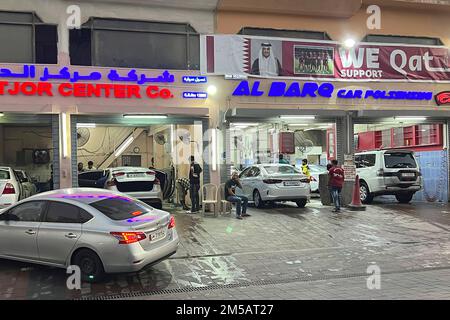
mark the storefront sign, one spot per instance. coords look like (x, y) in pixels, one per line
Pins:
(325, 90)
(349, 167)
(195, 79)
(442, 98)
(195, 95)
(274, 57)
(36, 80)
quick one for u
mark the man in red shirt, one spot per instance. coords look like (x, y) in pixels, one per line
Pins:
(336, 181)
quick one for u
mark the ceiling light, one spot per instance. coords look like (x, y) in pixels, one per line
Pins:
(298, 117)
(1, 114)
(244, 124)
(144, 116)
(411, 118)
(123, 146)
(297, 124)
(86, 125)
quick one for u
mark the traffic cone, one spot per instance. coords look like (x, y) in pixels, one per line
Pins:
(356, 204)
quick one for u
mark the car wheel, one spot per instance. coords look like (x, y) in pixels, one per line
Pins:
(404, 197)
(90, 265)
(301, 203)
(364, 193)
(259, 203)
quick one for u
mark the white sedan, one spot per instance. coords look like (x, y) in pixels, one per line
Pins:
(10, 188)
(274, 182)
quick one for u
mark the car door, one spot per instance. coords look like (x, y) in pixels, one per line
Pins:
(243, 179)
(60, 231)
(86, 179)
(19, 227)
(19, 182)
(253, 180)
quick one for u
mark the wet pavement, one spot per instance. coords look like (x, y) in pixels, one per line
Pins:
(277, 246)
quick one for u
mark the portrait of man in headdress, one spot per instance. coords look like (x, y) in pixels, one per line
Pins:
(266, 64)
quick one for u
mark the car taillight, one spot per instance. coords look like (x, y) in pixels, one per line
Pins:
(111, 183)
(118, 174)
(157, 181)
(380, 172)
(128, 237)
(305, 180)
(9, 189)
(150, 173)
(171, 222)
(272, 181)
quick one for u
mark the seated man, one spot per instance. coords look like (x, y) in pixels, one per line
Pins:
(230, 195)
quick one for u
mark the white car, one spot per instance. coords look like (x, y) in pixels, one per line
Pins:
(137, 182)
(315, 171)
(11, 189)
(388, 172)
(274, 182)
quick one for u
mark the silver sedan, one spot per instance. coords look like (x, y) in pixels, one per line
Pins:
(98, 230)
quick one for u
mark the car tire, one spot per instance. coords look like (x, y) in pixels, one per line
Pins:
(404, 197)
(301, 203)
(364, 193)
(259, 203)
(90, 265)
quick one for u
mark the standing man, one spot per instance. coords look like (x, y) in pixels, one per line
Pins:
(194, 180)
(183, 186)
(336, 176)
(230, 195)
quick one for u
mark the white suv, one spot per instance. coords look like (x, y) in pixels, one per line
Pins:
(388, 172)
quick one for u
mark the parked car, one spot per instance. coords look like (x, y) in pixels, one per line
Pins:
(29, 188)
(388, 172)
(11, 190)
(274, 182)
(98, 230)
(137, 182)
(315, 171)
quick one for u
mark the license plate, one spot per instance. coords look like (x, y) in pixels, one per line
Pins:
(157, 235)
(408, 174)
(292, 183)
(134, 175)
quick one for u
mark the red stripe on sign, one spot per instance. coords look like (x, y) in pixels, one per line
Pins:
(210, 54)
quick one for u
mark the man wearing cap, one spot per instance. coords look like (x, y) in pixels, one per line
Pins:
(266, 65)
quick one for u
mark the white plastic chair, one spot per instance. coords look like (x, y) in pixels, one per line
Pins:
(209, 197)
(225, 206)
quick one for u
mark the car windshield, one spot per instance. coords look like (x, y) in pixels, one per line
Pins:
(399, 160)
(121, 208)
(4, 175)
(281, 169)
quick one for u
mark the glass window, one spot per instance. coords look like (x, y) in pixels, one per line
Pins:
(399, 160)
(281, 169)
(4, 174)
(19, 40)
(358, 161)
(60, 212)
(368, 160)
(28, 211)
(245, 172)
(121, 208)
(427, 41)
(299, 34)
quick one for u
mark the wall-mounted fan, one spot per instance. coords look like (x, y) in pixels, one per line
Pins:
(83, 135)
(160, 138)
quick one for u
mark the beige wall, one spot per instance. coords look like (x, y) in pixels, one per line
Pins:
(394, 21)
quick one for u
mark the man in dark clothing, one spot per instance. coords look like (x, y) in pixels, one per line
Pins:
(194, 180)
(336, 176)
(230, 195)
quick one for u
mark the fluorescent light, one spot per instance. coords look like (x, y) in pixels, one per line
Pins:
(411, 118)
(244, 124)
(123, 146)
(86, 125)
(144, 116)
(212, 90)
(297, 124)
(298, 117)
(64, 134)
(1, 114)
(214, 149)
(349, 43)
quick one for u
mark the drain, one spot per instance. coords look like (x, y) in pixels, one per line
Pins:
(251, 284)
